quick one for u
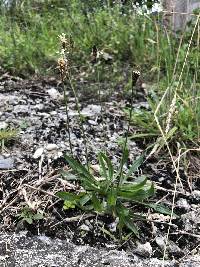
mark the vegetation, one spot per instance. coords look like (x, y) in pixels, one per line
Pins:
(169, 63)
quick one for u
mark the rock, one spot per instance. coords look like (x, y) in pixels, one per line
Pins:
(6, 163)
(54, 94)
(173, 248)
(84, 227)
(91, 110)
(17, 250)
(38, 153)
(94, 123)
(39, 106)
(3, 125)
(21, 109)
(144, 250)
(51, 147)
(160, 241)
(196, 194)
(182, 203)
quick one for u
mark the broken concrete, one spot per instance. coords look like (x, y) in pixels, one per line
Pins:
(22, 251)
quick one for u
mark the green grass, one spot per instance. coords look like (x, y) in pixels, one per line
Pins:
(29, 45)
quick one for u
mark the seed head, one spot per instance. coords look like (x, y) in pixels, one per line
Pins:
(63, 40)
(63, 67)
(135, 76)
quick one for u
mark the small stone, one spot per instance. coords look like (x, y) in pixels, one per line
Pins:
(84, 227)
(51, 147)
(144, 250)
(7, 163)
(94, 123)
(182, 203)
(39, 106)
(160, 241)
(3, 125)
(38, 153)
(91, 110)
(196, 194)
(54, 94)
(22, 109)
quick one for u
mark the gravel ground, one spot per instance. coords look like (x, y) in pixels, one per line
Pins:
(30, 176)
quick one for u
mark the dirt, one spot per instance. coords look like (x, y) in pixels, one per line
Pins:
(36, 156)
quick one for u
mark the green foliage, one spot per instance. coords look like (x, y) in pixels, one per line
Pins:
(184, 123)
(7, 135)
(105, 194)
(28, 215)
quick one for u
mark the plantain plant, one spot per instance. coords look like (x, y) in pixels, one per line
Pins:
(104, 194)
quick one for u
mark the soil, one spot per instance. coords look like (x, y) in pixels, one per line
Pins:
(35, 158)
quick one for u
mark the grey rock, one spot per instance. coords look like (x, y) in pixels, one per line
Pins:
(54, 94)
(84, 227)
(3, 125)
(160, 241)
(38, 153)
(51, 147)
(22, 109)
(144, 250)
(94, 123)
(182, 203)
(91, 110)
(196, 194)
(6, 163)
(25, 251)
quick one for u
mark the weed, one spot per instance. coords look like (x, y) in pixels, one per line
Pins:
(29, 216)
(104, 194)
(7, 135)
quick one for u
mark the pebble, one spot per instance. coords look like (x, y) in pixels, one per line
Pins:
(54, 94)
(182, 203)
(91, 122)
(38, 153)
(196, 194)
(51, 147)
(160, 241)
(144, 250)
(7, 163)
(3, 125)
(84, 227)
(91, 110)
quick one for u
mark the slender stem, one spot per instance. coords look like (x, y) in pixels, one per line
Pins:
(67, 113)
(133, 83)
(80, 118)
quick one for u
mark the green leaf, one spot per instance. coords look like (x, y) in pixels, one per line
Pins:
(160, 208)
(128, 222)
(138, 183)
(85, 199)
(29, 220)
(68, 176)
(109, 165)
(68, 204)
(79, 168)
(96, 203)
(38, 216)
(135, 166)
(137, 195)
(102, 165)
(69, 196)
(112, 197)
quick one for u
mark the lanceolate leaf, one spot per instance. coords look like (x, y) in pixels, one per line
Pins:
(138, 183)
(96, 203)
(109, 165)
(135, 166)
(112, 197)
(160, 208)
(79, 168)
(137, 195)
